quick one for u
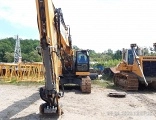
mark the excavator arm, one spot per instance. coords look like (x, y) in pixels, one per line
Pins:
(54, 43)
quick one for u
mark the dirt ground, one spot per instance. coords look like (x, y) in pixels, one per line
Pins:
(22, 103)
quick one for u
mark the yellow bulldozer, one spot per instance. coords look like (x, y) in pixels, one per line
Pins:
(135, 70)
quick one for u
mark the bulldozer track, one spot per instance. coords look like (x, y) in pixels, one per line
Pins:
(126, 81)
(86, 85)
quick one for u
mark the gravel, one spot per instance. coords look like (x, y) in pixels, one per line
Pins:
(22, 103)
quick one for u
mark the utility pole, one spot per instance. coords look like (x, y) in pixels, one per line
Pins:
(17, 52)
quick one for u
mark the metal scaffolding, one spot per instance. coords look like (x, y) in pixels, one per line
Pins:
(17, 52)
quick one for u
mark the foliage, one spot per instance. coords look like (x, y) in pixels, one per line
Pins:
(9, 57)
(106, 58)
(75, 47)
(29, 53)
(6, 47)
(28, 50)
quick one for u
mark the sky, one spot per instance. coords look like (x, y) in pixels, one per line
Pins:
(95, 24)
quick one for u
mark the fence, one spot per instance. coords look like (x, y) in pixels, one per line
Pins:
(22, 71)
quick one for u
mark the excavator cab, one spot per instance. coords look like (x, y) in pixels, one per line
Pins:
(82, 61)
(79, 75)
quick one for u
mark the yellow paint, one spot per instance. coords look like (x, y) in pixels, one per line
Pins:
(83, 73)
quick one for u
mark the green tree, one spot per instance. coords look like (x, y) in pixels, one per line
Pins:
(9, 57)
(75, 47)
(117, 55)
(6, 45)
(34, 56)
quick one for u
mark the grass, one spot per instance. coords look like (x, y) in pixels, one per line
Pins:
(25, 83)
(107, 83)
(103, 83)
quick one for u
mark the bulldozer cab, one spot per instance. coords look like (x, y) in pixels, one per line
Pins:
(128, 56)
(82, 61)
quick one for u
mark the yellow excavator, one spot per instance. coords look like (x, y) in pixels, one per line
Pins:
(62, 64)
(135, 69)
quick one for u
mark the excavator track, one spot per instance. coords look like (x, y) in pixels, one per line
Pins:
(86, 85)
(126, 81)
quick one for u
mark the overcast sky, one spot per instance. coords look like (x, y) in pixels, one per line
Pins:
(95, 24)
